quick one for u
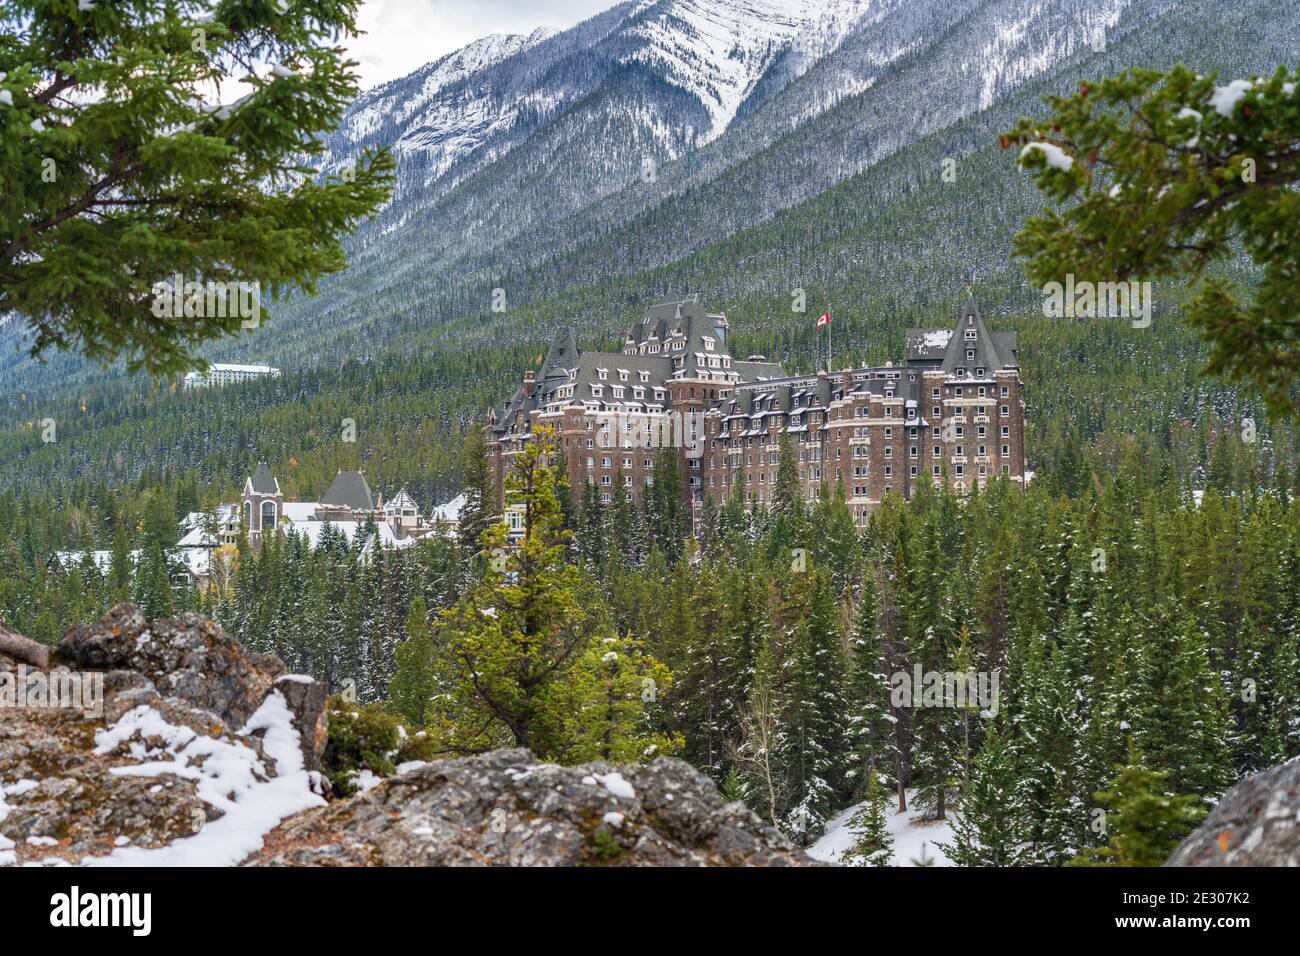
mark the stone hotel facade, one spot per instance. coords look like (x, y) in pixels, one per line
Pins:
(953, 411)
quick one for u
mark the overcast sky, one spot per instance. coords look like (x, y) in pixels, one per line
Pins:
(404, 34)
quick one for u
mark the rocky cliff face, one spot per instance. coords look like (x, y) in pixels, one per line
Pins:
(1257, 823)
(199, 752)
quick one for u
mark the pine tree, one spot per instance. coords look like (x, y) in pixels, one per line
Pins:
(870, 723)
(480, 506)
(131, 198)
(872, 845)
(412, 687)
(987, 828)
(1144, 823)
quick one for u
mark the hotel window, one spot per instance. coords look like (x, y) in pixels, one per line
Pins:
(970, 335)
(889, 470)
(959, 450)
(981, 391)
(602, 373)
(913, 470)
(605, 480)
(1006, 469)
(982, 450)
(1006, 431)
(889, 433)
(981, 431)
(935, 471)
(960, 470)
(622, 375)
(1006, 451)
(1005, 411)
(618, 391)
(970, 355)
(938, 412)
(934, 393)
(1005, 391)
(935, 453)
(914, 452)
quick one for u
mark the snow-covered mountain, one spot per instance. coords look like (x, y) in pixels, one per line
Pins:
(519, 147)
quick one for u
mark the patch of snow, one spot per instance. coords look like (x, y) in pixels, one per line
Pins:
(613, 818)
(912, 836)
(615, 784)
(1225, 98)
(229, 776)
(1057, 158)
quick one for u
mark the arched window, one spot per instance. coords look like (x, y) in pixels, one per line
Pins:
(248, 515)
(268, 515)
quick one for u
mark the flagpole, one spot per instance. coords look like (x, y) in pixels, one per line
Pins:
(828, 343)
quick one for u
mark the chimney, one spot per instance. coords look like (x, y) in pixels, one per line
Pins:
(530, 383)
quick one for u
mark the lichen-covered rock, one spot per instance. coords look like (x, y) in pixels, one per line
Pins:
(72, 787)
(506, 809)
(1257, 823)
(191, 658)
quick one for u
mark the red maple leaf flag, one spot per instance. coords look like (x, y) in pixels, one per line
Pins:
(824, 320)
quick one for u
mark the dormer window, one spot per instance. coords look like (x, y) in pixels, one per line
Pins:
(602, 373)
(622, 375)
(970, 335)
(708, 344)
(645, 376)
(970, 355)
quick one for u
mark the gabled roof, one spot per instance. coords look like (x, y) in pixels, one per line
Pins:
(401, 500)
(349, 490)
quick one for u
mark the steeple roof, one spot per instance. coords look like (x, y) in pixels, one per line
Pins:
(263, 482)
(349, 490)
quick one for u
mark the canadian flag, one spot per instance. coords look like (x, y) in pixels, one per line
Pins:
(824, 320)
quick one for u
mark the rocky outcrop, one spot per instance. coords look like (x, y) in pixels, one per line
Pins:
(158, 728)
(506, 809)
(1257, 823)
(201, 752)
(192, 659)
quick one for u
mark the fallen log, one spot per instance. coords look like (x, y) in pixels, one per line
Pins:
(24, 649)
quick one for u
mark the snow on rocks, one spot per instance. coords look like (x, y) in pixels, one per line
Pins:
(615, 784)
(230, 777)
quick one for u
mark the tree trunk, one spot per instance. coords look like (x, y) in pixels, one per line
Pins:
(24, 649)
